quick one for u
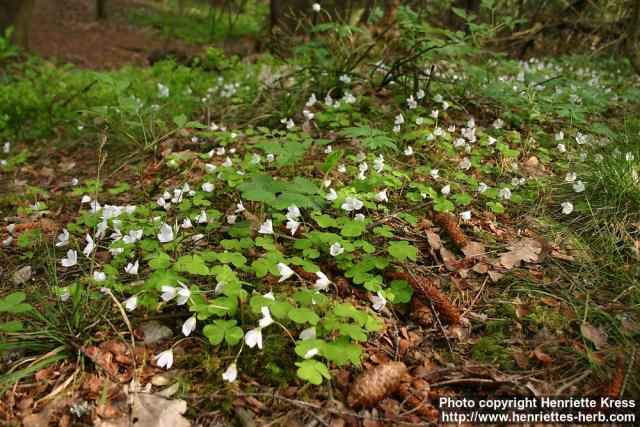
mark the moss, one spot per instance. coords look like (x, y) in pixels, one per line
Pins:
(273, 365)
(548, 317)
(489, 350)
(496, 328)
(506, 310)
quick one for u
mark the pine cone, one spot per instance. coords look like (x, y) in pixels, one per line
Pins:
(375, 384)
(419, 405)
(427, 290)
(421, 313)
(451, 228)
(614, 387)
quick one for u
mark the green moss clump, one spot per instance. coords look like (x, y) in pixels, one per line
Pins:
(489, 350)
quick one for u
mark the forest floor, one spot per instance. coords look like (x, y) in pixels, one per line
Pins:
(69, 32)
(479, 237)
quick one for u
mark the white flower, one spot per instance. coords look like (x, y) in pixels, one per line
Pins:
(352, 204)
(201, 218)
(253, 338)
(308, 115)
(133, 236)
(561, 148)
(316, 8)
(71, 259)
(408, 151)
(208, 187)
(90, 245)
(578, 187)
(6, 147)
(227, 163)
(85, 199)
(186, 223)
(567, 207)
(231, 219)
(99, 276)
(466, 215)
(197, 237)
(63, 238)
(7, 241)
(293, 225)
(255, 158)
(310, 353)
(399, 119)
(378, 301)
(332, 195)
(65, 294)
(266, 227)
(312, 99)
(434, 173)
(163, 91)
(271, 158)
(465, 164)
(131, 303)
(231, 373)
(293, 212)
(188, 326)
(239, 207)
(132, 268)
(505, 193)
(308, 334)
(382, 196)
(482, 187)
(349, 98)
(336, 249)
(266, 317)
(284, 271)
(629, 156)
(420, 121)
(342, 168)
(183, 294)
(322, 284)
(378, 164)
(445, 190)
(580, 138)
(570, 177)
(560, 136)
(434, 114)
(165, 359)
(358, 217)
(166, 233)
(270, 296)
(210, 167)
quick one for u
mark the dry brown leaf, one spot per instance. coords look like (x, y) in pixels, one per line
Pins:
(594, 334)
(473, 250)
(151, 410)
(542, 356)
(527, 250)
(375, 384)
(481, 268)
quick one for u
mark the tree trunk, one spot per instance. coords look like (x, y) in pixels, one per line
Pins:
(16, 13)
(101, 9)
(633, 40)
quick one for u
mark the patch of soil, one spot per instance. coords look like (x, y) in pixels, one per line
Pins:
(69, 31)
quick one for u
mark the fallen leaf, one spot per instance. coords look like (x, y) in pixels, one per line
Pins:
(523, 310)
(527, 250)
(152, 410)
(22, 275)
(481, 268)
(542, 356)
(473, 250)
(154, 332)
(594, 334)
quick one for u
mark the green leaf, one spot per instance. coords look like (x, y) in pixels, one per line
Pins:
(303, 315)
(12, 303)
(180, 120)
(223, 330)
(312, 371)
(402, 250)
(11, 326)
(353, 229)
